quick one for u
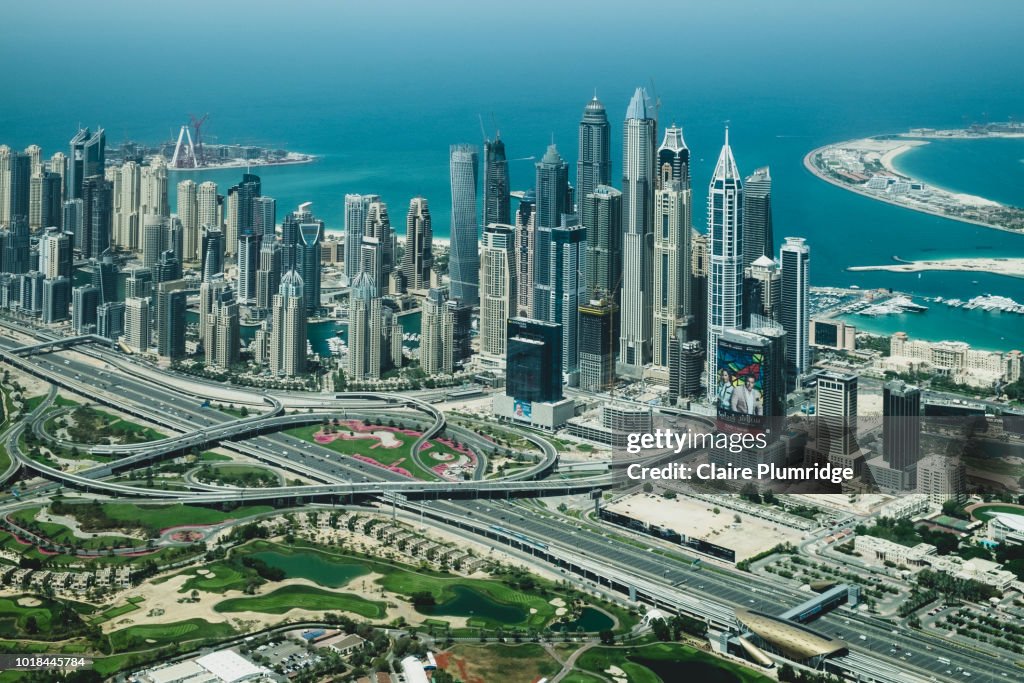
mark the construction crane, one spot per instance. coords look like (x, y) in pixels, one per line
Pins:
(197, 125)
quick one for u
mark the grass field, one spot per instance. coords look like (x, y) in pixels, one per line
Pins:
(155, 635)
(985, 512)
(400, 456)
(486, 663)
(581, 677)
(63, 535)
(155, 518)
(292, 597)
(668, 662)
(994, 466)
(223, 577)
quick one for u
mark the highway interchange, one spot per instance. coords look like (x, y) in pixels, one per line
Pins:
(601, 553)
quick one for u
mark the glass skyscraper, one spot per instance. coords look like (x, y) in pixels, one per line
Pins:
(464, 261)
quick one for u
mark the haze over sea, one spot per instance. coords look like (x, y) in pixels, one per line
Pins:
(380, 92)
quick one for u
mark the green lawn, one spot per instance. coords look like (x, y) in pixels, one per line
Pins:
(400, 456)
(223, 577)
(985, 512)
(155, 518)
(113, 613)
(673, 661)
(994, 466)
(580, 677)
(140, 637)
(292, 597)
(210, 456)
(63, 535)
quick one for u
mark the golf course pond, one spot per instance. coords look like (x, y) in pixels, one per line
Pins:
(313, 566)
(466, 602)
(590, 620)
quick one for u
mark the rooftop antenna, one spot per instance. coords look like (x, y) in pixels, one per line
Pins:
(657, 102)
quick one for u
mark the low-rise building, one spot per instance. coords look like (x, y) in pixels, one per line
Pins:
(881, 550)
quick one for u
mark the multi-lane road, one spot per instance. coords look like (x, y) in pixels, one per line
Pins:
(871, 640)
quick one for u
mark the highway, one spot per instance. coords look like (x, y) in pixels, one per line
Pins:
(606, 554)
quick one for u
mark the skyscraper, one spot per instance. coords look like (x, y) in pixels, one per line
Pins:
(795, 257)
(525, 233)
(568, 289)
(638, 181)
(248, 264)
(552, 201)
(268, 277)
(171, 300)
(602, 216)
(594, 166)
(208, 205)
(56, 299)
(356, 208)
(136, 324)
(597, 344)
(212, 248)
(87, 157)
(97, 216)
(85, 302)
(378, 227)
(463, 259)
(139, 283)
(152, 240)
(364, 331)
(5, 186)
(55, 258)
(110, 319)
(762, 289)
(418, 257)
(16, 254)
(311, 233)
(288, 330)
(497, 208)
(757, 216)
(533, 372)
(836, 424)
(497, 291)
(20, 184)
(901, 424)
(188, 213)
(672, 278)
(127, 201)
(725, 262)
(264, 215)
(153, 189)
(436, 329)
(51, 201)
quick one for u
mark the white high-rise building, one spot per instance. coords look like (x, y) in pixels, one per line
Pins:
(55, 254)
(206, 199)
(795, 257)
(673, 225)
(137, 324)
(942, 478)
(288, 331)
(364, 329)
(127, 202)
(725, 257)
(356, 207)
(188, 213)
(638, 180)
(437, 327)
(153, 186)
(497, 291)
(5, 186)
(59, 165)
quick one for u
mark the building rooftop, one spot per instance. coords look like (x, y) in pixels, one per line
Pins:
(229, 666)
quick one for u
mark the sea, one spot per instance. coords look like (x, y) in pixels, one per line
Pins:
(380, 111)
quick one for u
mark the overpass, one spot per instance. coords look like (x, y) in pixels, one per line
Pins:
(62, 343)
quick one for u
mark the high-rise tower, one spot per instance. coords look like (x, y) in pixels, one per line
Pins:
(464, 261)
(672, 277)
(638, 180)
(496, 186)
(757, 216)
(87, 157)
(552, 202)
(725, 259)
(795, 257)
(288, 330)
(497, 291)
(356, 207)
(418, 257)
(594, 165)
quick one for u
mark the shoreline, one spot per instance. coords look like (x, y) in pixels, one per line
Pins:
(244, 164)
(886, 162)
(1010, 267)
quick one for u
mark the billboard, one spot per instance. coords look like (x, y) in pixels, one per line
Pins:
(740, 385)
(522, 410)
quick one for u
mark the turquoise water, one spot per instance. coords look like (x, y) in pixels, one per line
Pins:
(383, 125)
(314, 567)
